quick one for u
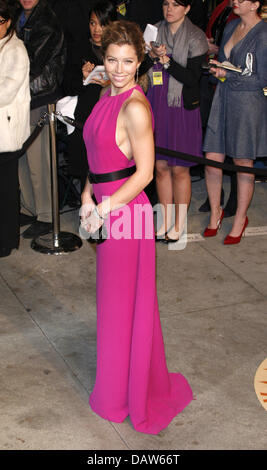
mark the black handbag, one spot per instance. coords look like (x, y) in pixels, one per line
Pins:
(99, 236)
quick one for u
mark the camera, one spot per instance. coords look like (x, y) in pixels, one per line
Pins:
(155, 44)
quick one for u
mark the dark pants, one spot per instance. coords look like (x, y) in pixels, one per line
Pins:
(9, 205)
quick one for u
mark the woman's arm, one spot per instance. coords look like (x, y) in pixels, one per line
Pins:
(188, 75)
(146, 65)
(14, 71)
(88, 204)
(138, 125)
(87, 192)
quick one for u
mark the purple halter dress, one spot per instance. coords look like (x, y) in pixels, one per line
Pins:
(132, 377)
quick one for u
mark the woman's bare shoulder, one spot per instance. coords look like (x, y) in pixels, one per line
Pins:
(137, 107)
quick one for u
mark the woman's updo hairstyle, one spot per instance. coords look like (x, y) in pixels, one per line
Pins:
(124, 32)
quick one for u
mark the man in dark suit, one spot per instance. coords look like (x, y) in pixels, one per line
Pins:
(38, 28)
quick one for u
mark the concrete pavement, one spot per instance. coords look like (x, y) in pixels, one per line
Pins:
(213, 305)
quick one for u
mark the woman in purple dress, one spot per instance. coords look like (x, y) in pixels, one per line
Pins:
(175, 69)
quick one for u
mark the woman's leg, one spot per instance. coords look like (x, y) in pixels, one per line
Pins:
(214, 186)
(182, 195)
(231, 205)
(245, 189)
(165, 193)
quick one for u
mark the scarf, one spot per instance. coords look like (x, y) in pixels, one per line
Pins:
(188, 41)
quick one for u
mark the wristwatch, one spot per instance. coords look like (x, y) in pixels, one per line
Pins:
(167, 64)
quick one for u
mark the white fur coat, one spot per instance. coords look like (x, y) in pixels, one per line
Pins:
(14, 94)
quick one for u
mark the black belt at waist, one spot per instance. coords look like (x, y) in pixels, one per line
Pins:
(113, 176)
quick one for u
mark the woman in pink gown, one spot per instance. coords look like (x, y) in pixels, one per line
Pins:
(132, 378)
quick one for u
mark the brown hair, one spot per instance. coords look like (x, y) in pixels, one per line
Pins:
(124, 32)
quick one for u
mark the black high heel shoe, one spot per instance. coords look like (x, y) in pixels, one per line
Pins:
(171, 240)
(162, 238)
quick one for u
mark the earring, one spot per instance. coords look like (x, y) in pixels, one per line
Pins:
(137, 74)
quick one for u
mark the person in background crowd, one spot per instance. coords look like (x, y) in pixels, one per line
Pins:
(175, 102)
(14, 124)
(73, 17)
(263, 12)
(198, 13)
(132, 376)
(144, 11)
(83, 56)
(238, 118)
(147, 11)
(40, 31)
(221, 15)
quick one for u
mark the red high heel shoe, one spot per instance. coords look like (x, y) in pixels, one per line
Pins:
(229, 240)
(212, 232)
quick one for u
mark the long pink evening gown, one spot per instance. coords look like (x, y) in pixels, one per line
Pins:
(132, 377)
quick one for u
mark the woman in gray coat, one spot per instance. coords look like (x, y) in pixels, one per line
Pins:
(238, 118)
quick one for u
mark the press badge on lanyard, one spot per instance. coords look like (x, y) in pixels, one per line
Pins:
(122, 9)
(157, 78)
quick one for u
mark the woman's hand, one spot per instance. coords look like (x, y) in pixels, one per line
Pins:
(90, 221)
(93, 222)
(164, 59)
(88, 204)
(213, 49)
(101, 81)
(89, 217)
(216, 71)
(157, 51)
(86, 210)
(87, 68)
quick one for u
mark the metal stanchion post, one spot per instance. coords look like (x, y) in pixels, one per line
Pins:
(57, 242)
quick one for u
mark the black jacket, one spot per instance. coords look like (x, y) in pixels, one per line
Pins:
(44, 41)
(87, 98)
(189, 76)
(78, 53)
